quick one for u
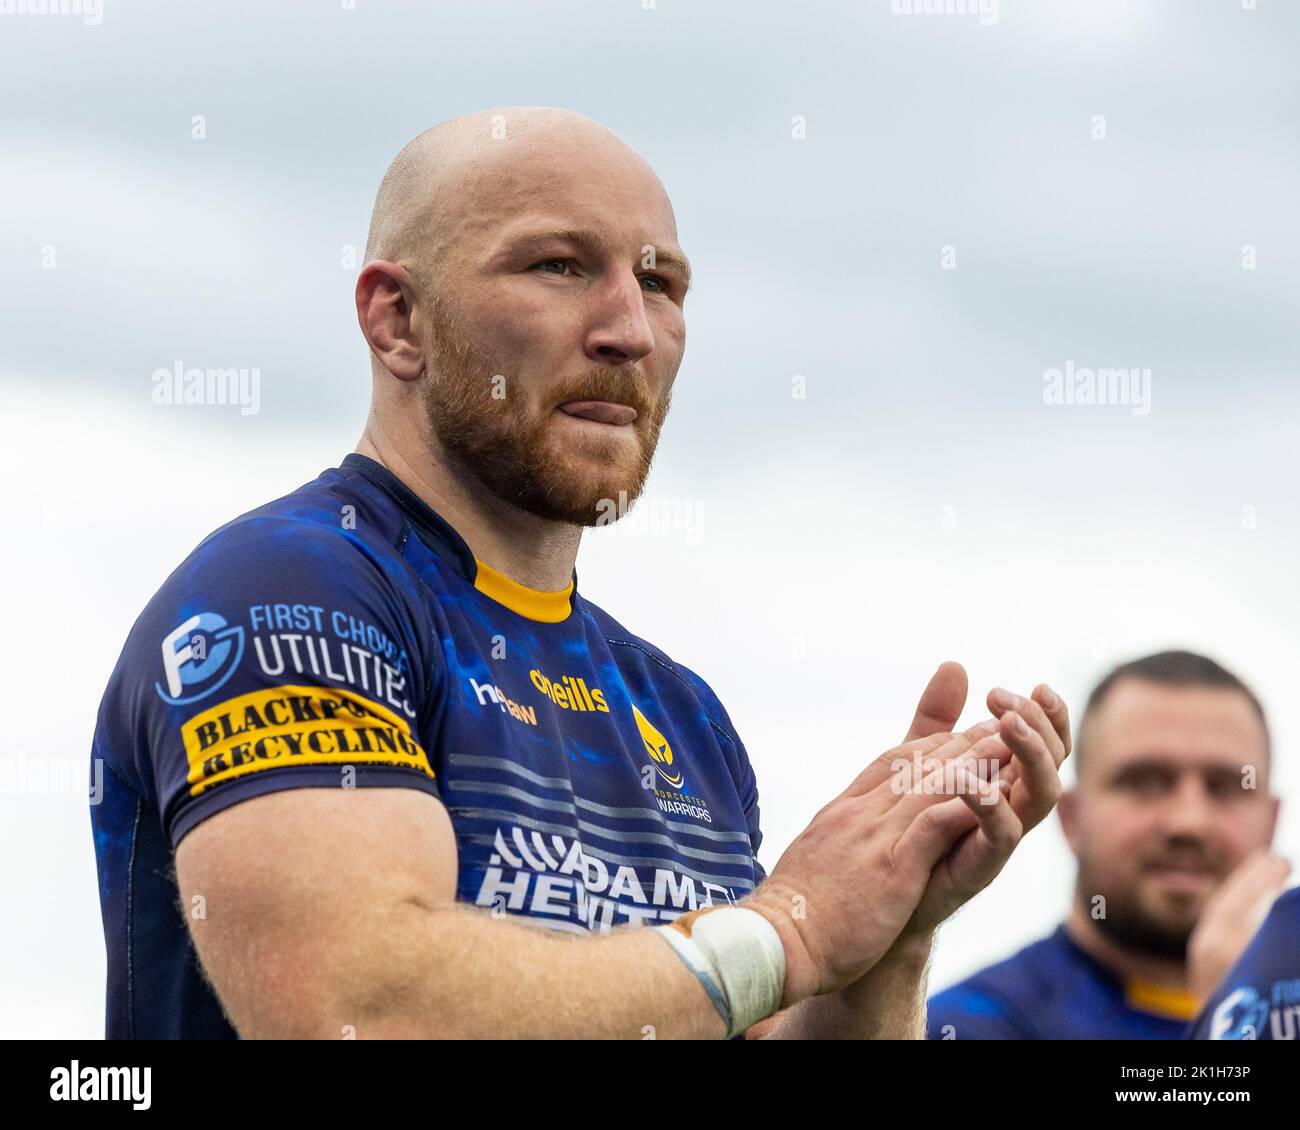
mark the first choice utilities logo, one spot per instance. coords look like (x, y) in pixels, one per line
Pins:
(1243, 1013)
(201, 653)
(198, 656)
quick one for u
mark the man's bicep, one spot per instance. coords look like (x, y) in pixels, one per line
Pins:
(288, 896)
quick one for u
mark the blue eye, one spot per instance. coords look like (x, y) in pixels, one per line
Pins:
(661, 284)
(548, 262)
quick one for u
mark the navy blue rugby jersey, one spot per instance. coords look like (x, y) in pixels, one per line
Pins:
(1260, 997)
(345, 636)
(1055, 990)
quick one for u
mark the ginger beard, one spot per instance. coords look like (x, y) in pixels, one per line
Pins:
(523, 452)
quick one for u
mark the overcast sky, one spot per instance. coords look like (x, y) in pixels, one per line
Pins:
(972, 204)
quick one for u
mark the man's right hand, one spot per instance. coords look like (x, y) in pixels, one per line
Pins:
(1231, 918)
(844, 890)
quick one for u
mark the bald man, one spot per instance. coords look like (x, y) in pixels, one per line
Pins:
(373, 767)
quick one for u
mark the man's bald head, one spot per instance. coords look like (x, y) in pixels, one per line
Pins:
(452, 175)
(523, 301)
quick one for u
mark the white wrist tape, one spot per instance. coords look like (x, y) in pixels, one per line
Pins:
(737, 955)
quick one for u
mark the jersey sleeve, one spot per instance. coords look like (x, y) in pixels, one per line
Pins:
(1256, 1000)
(283, 654)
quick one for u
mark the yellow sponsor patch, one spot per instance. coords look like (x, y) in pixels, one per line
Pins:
(294, 725)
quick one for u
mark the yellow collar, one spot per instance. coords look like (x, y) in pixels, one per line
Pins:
(548, 607)
(1176, 1004)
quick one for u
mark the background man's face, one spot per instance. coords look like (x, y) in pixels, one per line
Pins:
(522, 323)
(1160, 815)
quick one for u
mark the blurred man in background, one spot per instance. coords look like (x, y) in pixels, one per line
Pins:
(1171, 820)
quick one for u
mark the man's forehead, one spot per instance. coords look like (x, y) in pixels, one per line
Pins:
(611, 190)
(537, 230)
(1192, 725)
(456, 186)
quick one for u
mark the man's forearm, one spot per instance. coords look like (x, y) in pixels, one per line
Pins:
(457, 972)
(886, 1003)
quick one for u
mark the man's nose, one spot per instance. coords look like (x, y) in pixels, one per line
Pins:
(621, 330)
(1189, 811)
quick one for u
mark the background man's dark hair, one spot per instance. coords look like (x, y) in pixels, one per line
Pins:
(1169, 669)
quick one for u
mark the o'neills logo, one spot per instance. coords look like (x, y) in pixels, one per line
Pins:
(569, 693)
(294, 725)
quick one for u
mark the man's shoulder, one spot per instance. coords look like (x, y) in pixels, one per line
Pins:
(335, 533)
(338, 513)
(996, 995)
(329, 542)
(652, 675)
(633, 649)
(306, 595)
(1020, 973)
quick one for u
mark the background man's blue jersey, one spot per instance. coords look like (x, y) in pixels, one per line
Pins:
(345, 636)
(1050, 990)
(1260, 998)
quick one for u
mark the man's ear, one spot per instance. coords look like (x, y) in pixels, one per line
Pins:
(385, 311)
(1067, 809)
(1275, 806)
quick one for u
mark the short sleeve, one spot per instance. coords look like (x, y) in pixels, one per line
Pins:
(282, 654)
(1254, 1000)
